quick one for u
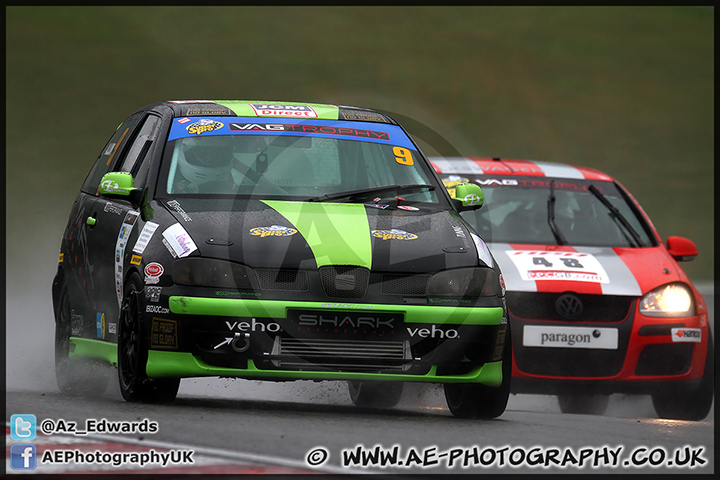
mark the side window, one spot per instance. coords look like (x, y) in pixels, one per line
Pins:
(109, 154)
(141, 145)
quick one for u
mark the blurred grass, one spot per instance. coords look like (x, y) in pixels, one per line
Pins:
(627, 90)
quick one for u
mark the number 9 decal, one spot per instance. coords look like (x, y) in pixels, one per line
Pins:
(403, 156)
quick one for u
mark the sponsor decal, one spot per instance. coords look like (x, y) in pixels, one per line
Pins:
(111, 208)
(62, 256)
(153, 293)
(157, 309)
(145, 235)
(406, 207)
(136, 260)
(496, 181)
(100, 324)
(112, 327)
(394, 234)
(542, 265)
(164, 334)
(183, 121)
(266, 110)
(375, 205)
(76, 324)
(343, 319)
(203, 126)
(314, 129)
(361, 116)
(570, 337)
(125, 230)
(153, 271)
(433, 332)
(254, 326)
(178, 241)
(175, 205)
(110, 186)
(472, 199)
(686, 335)
(272, 231)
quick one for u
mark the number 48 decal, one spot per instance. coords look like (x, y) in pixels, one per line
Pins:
(403, 156)
(569, 262)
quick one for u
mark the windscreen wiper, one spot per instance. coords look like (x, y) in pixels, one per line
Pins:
(559, 238)
(617, 216)
(369, 191)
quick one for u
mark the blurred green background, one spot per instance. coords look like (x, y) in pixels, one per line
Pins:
(627, 90)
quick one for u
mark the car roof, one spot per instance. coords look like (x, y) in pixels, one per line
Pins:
(272, 109)
(505, 167)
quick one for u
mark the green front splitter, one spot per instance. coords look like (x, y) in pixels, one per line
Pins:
(183, 364)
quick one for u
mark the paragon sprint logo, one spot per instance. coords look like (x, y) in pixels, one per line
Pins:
(394, 234)
(203, 126)
(272, 231)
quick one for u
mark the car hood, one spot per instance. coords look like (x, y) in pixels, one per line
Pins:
(591, 270)
(308, 235)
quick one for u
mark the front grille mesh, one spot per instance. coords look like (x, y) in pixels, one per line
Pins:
(397, 284)
(345, 354)
(283, 280)
(596, 308)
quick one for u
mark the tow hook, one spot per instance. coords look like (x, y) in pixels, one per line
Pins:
(241, 342)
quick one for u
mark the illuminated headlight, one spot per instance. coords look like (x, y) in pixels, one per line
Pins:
(209, 272)
(673, 300)
(465, 282)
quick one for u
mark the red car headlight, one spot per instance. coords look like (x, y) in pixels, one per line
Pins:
(671, 300)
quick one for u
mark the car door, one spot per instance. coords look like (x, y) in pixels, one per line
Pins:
(109, 224)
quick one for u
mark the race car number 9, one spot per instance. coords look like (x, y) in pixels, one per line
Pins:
(403, 156)
(541, 265)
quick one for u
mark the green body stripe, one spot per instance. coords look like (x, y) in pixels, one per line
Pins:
(87, 348)
(181, 364)
(338, 233)
(238, 307)
(243, 109)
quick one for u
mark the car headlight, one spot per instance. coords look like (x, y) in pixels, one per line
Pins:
(465, 282)
(672, 300)
(210, 272)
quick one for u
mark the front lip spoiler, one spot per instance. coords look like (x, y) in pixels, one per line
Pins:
(184, 364)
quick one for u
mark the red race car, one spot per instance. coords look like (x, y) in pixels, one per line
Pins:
(598, 304)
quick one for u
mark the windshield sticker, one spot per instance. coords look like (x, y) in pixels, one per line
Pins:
(203, 126)
(265, 110)
(179, 241)
(326, 129)
(145, 235)
(394, 234)
(345, 130)
(574, 266)
(403, 156)
(273, 231)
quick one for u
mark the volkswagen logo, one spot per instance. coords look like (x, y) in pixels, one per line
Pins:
(569, 306)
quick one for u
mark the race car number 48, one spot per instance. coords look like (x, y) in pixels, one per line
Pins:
(542, 265)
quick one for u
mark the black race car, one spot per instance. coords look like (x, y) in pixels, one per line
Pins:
(277, 241)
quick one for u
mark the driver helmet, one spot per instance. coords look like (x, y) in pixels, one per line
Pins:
(207, 159)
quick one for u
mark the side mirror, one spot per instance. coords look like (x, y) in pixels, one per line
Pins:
(468, 196)
(682, 249)
(119, 186)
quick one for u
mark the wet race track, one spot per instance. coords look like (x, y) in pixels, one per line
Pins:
(240, 426)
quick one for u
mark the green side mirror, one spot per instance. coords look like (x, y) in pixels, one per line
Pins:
(468, 196)
(116, 183)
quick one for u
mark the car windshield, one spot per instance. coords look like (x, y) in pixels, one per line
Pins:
(558, 212)
(316, 161)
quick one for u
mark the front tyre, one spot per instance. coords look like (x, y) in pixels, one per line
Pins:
(135, 386)
(683, 402)
(77, 376)
(474, 400)
(375, 394)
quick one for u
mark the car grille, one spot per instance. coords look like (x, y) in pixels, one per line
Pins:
(346, 355)
(396, 284)
(546, 306)
(283, 280)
